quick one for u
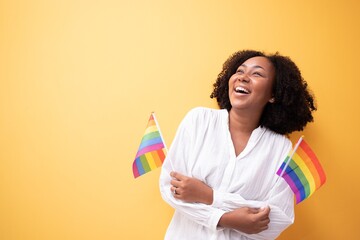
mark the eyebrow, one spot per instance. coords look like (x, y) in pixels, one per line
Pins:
(256, 66)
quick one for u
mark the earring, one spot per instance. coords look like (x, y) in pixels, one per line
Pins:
(272, 100)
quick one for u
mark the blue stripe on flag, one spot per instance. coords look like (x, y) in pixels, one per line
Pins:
(139, 166)
(150, 142)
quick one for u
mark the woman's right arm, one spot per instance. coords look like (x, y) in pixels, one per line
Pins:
(177, 160)
(200, 213)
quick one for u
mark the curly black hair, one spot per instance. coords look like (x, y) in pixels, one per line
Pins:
(294, 102)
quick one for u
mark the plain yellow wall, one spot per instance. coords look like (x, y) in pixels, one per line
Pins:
(78, 80)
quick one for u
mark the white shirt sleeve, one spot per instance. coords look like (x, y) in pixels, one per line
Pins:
(176, 158)
(281, 209)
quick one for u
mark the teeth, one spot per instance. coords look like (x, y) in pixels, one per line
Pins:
(241, 90)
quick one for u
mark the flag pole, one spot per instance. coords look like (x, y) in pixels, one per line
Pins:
(292, 154)
(158, 126)
(286, 165)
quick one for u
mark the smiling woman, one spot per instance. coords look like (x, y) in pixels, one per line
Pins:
(250, 87)
(222, 163)
(291, 104)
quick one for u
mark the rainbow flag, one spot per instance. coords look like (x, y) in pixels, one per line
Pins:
(303, 171)
(152, 150)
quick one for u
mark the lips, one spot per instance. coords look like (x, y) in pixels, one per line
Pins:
(242, 90)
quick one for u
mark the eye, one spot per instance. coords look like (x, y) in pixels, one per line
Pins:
(240, 70)
(258, 74)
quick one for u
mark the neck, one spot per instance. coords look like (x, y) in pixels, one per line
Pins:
(243, 122)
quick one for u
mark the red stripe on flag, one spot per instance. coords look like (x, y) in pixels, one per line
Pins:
(315, 161)
(161, 155)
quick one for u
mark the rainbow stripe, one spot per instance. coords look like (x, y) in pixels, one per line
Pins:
(304, 173)
(152, 150)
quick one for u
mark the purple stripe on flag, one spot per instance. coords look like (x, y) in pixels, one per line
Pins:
(292, 185)
(135, 170)
(150, 149)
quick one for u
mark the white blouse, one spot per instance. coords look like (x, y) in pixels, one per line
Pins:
(203, 148)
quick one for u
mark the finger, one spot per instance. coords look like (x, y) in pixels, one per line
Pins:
(177, 175)
(253, 210)
(264, 211)
(175, 183)
(263, 216)
(265, 223)
(173, 174)
(267, 210)
(174, 191)
(264, 228)
(264, 220)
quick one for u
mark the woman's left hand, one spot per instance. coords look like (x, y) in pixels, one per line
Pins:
(190, 189)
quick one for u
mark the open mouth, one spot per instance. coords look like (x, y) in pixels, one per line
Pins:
(242, 90)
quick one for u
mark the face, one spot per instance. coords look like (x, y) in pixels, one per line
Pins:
(251, 86)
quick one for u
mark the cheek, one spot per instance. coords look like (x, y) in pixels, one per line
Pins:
(230, 84)
(266, 89)
(269, 91)
(231, 81)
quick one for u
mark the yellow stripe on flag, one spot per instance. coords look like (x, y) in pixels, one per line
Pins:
(306, 171)
(150, 160)
(310, 165)
(151, 129)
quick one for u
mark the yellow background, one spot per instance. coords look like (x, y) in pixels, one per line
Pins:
(79, 78)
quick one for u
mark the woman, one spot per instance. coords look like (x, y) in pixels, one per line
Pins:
(220, 172)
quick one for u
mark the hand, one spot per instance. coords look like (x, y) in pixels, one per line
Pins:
(190, 189)
(246, 220)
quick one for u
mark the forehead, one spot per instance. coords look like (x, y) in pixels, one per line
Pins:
(259, 61)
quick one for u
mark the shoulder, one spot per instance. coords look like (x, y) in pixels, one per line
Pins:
(203, 115)
(276, 146)
(277, 140)
(204, 112)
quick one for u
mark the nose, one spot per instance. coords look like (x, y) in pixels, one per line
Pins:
(244, 78)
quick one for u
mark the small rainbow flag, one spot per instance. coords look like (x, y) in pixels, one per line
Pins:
(152, 150)
(303, 171)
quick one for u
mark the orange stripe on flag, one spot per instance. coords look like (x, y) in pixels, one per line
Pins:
(156, 157)
(151, 123)
(315, 161)
(310, 165)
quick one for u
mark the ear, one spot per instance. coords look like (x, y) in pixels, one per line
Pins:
(272, 100)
